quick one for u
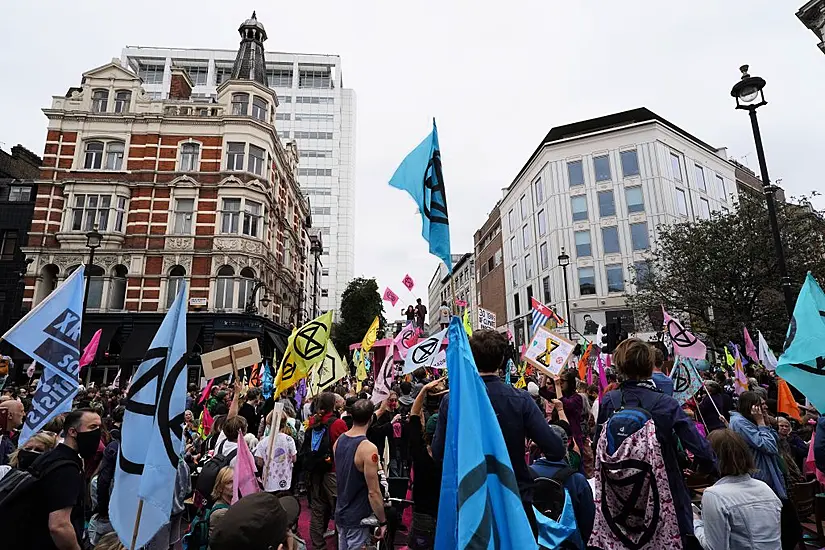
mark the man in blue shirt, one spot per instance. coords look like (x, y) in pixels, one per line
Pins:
(662, 381)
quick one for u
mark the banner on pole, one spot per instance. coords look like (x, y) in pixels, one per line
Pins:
(548, 351)
(219, 362)
(486, 319)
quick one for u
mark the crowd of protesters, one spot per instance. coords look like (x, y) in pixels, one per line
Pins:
(369, 472)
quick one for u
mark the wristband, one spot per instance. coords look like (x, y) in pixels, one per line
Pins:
(382, 524)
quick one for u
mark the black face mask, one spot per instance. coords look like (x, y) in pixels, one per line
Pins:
(25, 458)
(88, 442)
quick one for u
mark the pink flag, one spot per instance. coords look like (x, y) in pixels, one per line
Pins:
(740, 380)
(408, 282)
(684, 342)
(390, 296)
(407, 338)
(523, 350)
(244, 483)
(509, 334)
(461, 303)
(206, 391)
(91, 349)
(602, 376)
(750, 349)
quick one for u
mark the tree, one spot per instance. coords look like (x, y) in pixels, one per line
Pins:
(360, 303)
(723, 272)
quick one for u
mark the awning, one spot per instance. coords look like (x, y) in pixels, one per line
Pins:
(136, 344)
(278, 341)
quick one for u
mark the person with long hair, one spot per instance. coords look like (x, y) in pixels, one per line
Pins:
(222, 496)
(738, 511)
(763, 441)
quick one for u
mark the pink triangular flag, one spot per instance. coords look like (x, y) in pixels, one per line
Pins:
(684, 342)
(750, 349)
(91, 349)
(244, 483)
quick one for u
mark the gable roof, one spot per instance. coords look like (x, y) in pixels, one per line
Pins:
(113, 69)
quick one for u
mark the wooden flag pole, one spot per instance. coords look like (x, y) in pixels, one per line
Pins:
(137, 524)
(274, 428)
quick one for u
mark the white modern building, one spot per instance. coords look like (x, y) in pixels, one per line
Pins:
(599, 189)
(463, 284)
(314, 110)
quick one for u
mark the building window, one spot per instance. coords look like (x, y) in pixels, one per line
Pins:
(542, 219)
(120, 213)
(538, 190)
(700, 178)
(325, 272)
(95, 290)
(240, 104)
(19, 193)
(676, 166)
(641, 272)
(575, 173)
(283, 116)
(544, 258)
(8, 244)
(601, 166)
(231, 215)
(587, 281)
(526, 237)
(122, 100)
(515, 275)
(704, 208)
(528, 266)
(314, 79)
(322, 210)
(315, 100)
(314, 116)
(610, 240)
(324, 292)
(513, 248)
(198, 74)
(279, 78)
(579, 204)
(189, 157)
(225, 287)
(630, 163)
(681, 202)
(246, 284)
(583, 248)
(615, 278)
(316, 153)
(176, 278)
(511, 219)
(117, 288)
(723, 190)
(259, 107)
(222, 74)
(184, 212)
(256, 160)
(545, 286)
(114, 155)
(253, 212)
(151, 74)
(314, 171)
(638, 236)
(607, 204)
(89, 210)
(234, 156)
(100, 100)
(516, 305)
(635, 199)
(524, 207)
(529, 294)
(313, 135)
(94, 155)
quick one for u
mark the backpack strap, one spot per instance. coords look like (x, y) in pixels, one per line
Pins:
(563, 474)
(232, 454)
(219, 450)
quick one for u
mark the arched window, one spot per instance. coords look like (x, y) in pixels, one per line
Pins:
(100, 98)
(247, 283)
(94, 155)
(224, 288)
(189, 157)
(122, 100)
(47, 283)
(240, 104)
(117, 288)
(176, 278)
(95, 275)
(259, 108)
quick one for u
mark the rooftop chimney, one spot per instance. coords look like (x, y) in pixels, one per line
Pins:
(180, 86)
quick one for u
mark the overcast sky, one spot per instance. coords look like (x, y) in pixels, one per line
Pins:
(496, 75)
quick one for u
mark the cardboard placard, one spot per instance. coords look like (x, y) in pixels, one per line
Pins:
(548, 351)
(219, 362)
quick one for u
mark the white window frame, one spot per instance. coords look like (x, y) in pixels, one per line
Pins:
(100, 100)
(259, 108)
(677, 167)
(237, 157)
(115, 158)
(681, 205)
(701, 183)
(184, 219)
(240, 104)
(242, 221)
(17, 194)
(187, 160)
(256, 164)
(91, 212)
(123, 99)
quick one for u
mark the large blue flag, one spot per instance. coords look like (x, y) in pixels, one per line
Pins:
(480, 505)
(420, 175)
(151, 436)
(50, 333)
(803, 361)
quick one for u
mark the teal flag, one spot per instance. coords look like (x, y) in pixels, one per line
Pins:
(480, 506)
(802, 363)
(420, 175)
(686, 379)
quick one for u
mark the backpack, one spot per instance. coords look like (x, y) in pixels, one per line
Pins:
(624, 422)
(197, 538)
(209, 472)
(549, 492)
(555, 517)
(316, 452)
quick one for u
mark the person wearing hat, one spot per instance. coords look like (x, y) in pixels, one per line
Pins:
(260, 521)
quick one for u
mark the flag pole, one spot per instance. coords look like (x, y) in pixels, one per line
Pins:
(137, 524)
(273, 433)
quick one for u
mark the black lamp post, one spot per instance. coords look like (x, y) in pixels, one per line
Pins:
(251, 308)
(749, 96)
(564, 261)
(93, 242)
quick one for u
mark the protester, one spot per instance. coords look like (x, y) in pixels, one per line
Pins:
(715, 407)
(249, 409)
(790, 443)
(444, 315)
(9, 436)
(660, 379)
(283, 455)
(738, 512)
(749, 422)
(573, 403)
(409, 313)
(260, 521)
(420, 313)
(359, 490)
(222, 493)
(39, 443)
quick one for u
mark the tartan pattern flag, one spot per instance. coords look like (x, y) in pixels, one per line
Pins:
(542, 314)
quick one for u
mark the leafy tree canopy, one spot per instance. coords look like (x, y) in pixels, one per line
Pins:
(360, 303)
(723, 272)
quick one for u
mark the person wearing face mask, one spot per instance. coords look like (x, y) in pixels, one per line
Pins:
(39, 443)
(59, 519)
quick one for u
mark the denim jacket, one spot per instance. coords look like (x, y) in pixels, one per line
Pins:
(764, 443)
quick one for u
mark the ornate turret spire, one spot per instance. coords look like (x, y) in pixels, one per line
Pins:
(250, 63)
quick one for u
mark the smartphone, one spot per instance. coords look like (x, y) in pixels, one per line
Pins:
(696, 510)
(4, 420)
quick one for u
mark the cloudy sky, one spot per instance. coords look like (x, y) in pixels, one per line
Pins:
(497, 76)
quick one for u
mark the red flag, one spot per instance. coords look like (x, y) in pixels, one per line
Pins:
(408, 282)
(785, 402)
(255, 376)
(206, 391)
(390, 296)
(91, 349)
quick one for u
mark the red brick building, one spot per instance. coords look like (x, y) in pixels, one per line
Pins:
(489, 267)
(195, 189)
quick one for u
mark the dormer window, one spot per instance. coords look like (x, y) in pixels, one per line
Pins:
(240, 104)
(259, 108)
(100, 99)
(122, 100)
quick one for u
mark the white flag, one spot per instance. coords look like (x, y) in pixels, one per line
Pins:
(384, 377)
(766, 356)
(424, 352)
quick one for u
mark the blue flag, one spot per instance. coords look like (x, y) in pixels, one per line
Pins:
(686, 379)
(420, 175)
(50, 333)
(480, 505)
(267, 382)
(802, 363)
(151, 440)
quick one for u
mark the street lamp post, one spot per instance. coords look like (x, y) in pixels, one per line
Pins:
(251, 308)
(564, 261)
(93, 242)
(749, 96)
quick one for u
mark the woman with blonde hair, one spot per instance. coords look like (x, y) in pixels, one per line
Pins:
(37, 444)
(222, 495)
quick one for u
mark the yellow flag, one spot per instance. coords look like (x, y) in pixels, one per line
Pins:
(521, 384)
(361, 367)
(729, 358)
(370, 337)
(468, 325)
(307, 346)
(328, 372)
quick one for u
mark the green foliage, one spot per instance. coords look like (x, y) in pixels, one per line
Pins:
(360, 303)
(728, 263)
